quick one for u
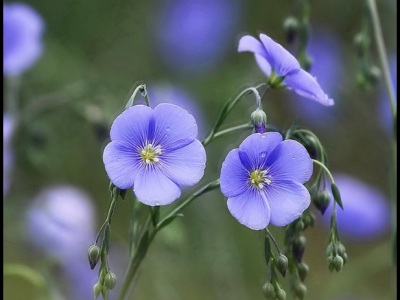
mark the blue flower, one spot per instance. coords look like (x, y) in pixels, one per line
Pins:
(155, 152)
(263, 180)
(8, 130)
(192, 36)
(22, 38)
(282, 68)
(366, 215)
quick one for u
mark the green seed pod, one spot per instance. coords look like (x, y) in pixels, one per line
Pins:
(93, 256)
(110, 280)
(281, 294)
(282, 264)
(338, 263)
(303, 270)
(269, 290)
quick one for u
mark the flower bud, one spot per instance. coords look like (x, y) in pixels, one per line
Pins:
(110, 280)
(299, 246)
(303, 270)
(331, 265)
(281, 294)
(93, 256)
(269, 291)
(322, 200)
(299, 226)
(259, 120)
(300, 290)
(290, 26)
(338, 263)
(361, 43)
(282, 264)
(97, 288)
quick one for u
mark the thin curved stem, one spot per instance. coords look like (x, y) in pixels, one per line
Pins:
(325, 169)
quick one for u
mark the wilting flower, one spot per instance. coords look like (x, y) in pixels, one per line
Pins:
(263, 180)
(282, 68)
(324, 50)
(60, 223)
(155, 152)
(8, 129)
(194, 35)
(22, 38)
(366, 213)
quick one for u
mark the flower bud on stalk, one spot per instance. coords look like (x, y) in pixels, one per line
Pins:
(259, 120)
(282, 264)
(93, 256)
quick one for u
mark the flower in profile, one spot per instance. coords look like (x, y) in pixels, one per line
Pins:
(155, 152)
(8, 129)
(192, 36)
(263, 180)
(60, 223)
(282, 68)
(22, 38)
(366, 215)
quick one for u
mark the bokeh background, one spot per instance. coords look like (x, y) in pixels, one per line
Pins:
(94, 53)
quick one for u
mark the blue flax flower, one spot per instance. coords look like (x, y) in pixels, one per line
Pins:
(263, 180)
(282, 68)
(155, 152)
(22, 38)
(366, 215)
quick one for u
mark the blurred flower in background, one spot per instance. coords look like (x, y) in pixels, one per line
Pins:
(324, 50)
(366, 215)
(385, 114)
(8, 129)
(164, 92)
(60, 224)
(194, 35)
(22, 38)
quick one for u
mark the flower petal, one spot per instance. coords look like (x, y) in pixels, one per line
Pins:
(307, 86)
(263, 64)
(258, 147)
(250, 209)
(185, 166)
(132, 126)
(287, 200)
(121, 163)
(281, 60)
(234, 176)
(251, 44)
(153, 188)
(290, 161)
(174, 128)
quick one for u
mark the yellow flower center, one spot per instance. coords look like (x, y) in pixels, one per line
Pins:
(258, 179)
(150, 154)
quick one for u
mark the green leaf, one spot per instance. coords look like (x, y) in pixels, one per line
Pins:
(336, 195)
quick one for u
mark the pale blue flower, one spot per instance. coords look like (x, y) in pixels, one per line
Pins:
(22, 38)
(155, 152)
(366, 215)
(282, 68)
(264, 178)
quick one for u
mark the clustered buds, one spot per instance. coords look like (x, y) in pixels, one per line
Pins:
(336, 256)
(273, 292)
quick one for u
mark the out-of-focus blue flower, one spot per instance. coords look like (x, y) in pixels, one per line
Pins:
(193, 35)
(22, 38)
(385, 114)
(263, 180)
(366, 215)
(324, 50)
(168, 93)
(60, 223)
(8, 129)
(155, 152)
(282, 68)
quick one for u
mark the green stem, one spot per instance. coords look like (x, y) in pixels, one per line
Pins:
(227, 131)
(142, 89)
(382, 54)
(148, 236)
(325, 169)
(273, 240)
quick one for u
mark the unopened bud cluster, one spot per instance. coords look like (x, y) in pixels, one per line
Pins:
(273, 292)
(336, 256)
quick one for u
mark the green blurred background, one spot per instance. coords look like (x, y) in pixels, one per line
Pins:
(95, 51)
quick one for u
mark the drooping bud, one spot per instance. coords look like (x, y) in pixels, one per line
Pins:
(331, 265)
(303, 270)
(269, 291)
(299, 226)
(282, 264)
(322, 200)
(93, 256)
(299, 246)
(338, 263)
(361, 43)
(300, 290)
(110, 280)
(259, 120)
(290, 26)
(281, 294)
(97, 288)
